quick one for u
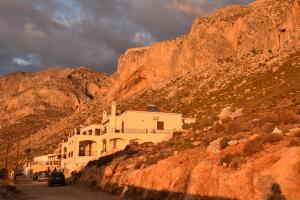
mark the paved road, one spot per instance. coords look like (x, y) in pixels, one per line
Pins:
(40, 191)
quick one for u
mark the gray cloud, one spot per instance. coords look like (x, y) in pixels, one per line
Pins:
(35, 34)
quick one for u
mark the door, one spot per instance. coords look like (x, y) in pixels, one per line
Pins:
(160, 125)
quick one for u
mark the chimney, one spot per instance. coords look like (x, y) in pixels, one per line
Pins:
(104, 116)
(113, 117)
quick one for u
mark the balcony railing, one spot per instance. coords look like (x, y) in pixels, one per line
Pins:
(87, 153)
(56, 162)
(146, 131)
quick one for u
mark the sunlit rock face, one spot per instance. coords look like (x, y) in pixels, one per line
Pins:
(247, 35)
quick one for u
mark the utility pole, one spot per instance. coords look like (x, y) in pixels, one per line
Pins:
(18, 152)
(6, 155)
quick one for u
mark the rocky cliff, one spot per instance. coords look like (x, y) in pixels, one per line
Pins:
(250, 37)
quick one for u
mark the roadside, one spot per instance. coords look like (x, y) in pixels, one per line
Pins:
(30, 190)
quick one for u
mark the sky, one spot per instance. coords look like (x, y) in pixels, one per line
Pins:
(36, 34)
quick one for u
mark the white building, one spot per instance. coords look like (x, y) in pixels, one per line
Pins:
(115, 133)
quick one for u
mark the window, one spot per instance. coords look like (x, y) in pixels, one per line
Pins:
(90, 132)
(160, 125)
(97, 132)
(123, 126)
(84, 133)
(115, 144)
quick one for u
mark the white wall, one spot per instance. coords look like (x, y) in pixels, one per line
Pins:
(148, 120)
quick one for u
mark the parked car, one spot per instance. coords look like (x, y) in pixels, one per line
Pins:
(56, 179)
(20, 172)
(41, 176)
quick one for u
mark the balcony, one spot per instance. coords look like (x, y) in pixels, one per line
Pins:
(87, 153)
(146, 131)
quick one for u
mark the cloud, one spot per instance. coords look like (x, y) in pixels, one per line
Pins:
(35, 34)
(21, 61)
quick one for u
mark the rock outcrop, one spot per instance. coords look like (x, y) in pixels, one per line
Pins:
(194, 174)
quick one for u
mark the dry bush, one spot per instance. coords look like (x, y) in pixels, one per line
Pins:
(224, 142)
(242, 135)
(209, 138)
(288, 118)
(240, 125)
(203, 123)
(224, 127)
(271, 138)
(269, 117)
(152, 160)
(232, 160)
(297, 134)
(187, 144)
(252, 147)
(294, 142)
(268, 127)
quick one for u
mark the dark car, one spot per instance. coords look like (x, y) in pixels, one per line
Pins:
(41, 176)
(56, 178)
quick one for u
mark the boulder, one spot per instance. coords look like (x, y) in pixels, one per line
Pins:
(277, 131)
(295, 131)
(196, 143)
(215, 146)
(232, 142)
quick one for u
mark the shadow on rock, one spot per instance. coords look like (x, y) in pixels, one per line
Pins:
(276, 193)
(145, 194)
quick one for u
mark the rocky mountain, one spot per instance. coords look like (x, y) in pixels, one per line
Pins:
(236, 40)
(30, 103)
(237, 72)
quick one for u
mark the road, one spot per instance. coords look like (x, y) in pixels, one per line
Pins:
(30, 190)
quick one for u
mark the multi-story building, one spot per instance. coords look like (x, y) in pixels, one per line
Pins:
(46, 163)
(80, 147)
(117, 130)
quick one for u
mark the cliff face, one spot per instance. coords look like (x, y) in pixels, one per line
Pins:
(247, 35)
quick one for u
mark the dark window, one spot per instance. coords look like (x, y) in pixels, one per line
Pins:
(84, 133)
(97, 132)
(123, 125)
(160, 125)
